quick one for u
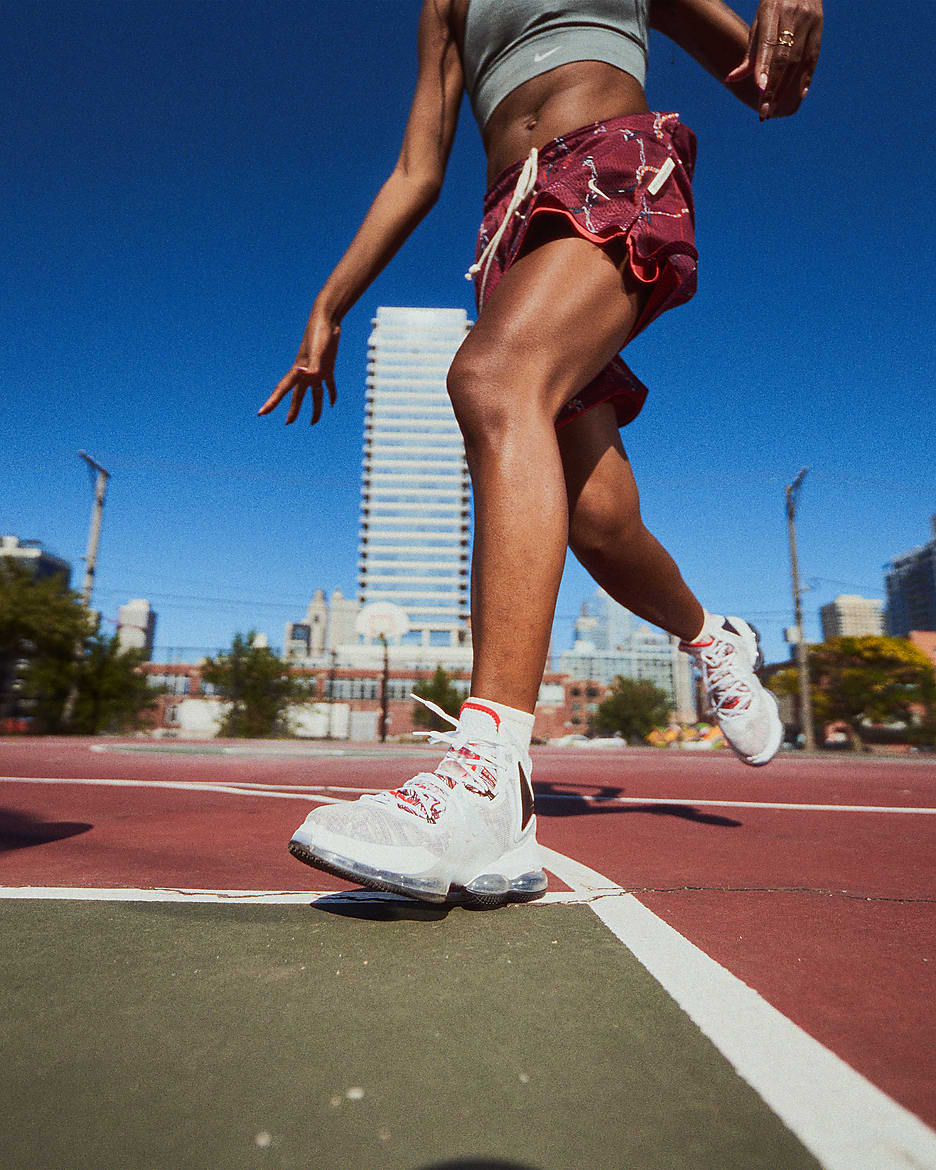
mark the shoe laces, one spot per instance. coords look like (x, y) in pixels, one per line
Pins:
(470, 764)
(729, 691)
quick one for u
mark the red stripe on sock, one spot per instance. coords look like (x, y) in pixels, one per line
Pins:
(486, 710)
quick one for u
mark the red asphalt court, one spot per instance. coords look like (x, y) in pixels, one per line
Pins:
(829, 913)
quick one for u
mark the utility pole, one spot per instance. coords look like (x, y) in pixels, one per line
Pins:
(802, 650)
(332, 673)
(90, 559)
(383, 688)
(94, 532)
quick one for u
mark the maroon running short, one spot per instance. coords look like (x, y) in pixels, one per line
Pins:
(601, 180)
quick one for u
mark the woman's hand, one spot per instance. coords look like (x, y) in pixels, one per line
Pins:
(782, 52)
(313, 368)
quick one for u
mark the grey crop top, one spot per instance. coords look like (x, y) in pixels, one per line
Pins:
(507, 42)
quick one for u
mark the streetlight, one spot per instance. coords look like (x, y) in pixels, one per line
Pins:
(802, 650)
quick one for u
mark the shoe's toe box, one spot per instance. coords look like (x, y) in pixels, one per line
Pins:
(755, 733)
(364, 821)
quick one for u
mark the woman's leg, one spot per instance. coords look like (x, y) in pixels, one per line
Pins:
(558, 316)
(606, 531)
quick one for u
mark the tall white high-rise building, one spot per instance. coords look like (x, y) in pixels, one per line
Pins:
(415, 493)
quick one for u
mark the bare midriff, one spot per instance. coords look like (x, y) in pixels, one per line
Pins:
(556, 103)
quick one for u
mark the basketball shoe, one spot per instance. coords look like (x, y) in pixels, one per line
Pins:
(727, 652)
(465, 832)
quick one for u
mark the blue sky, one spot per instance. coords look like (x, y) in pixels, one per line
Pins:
(182, 176)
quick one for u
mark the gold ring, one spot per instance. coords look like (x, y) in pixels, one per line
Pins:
(786, 38)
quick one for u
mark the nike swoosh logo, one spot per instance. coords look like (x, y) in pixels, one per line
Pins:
(526, 797)
(542, 56)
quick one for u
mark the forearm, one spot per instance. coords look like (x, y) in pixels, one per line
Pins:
(711, 32)
(768, 66)
(401, 204)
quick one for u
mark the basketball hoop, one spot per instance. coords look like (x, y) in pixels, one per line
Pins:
(382, 619)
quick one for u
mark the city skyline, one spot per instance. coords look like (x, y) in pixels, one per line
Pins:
(171, 231)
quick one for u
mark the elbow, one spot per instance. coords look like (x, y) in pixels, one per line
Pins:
(423, 188)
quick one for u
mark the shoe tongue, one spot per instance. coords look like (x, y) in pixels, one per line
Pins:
(476, 721)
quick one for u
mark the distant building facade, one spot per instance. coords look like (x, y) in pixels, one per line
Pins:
(415, 490)
(911, 590)
(850, 616)
(31, 556)
(136, 626)
(346, 701)
(610, 642)
(328, 624)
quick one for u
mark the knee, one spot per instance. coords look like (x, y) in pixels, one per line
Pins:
(601, 521)
(494, 398)
(475, 388)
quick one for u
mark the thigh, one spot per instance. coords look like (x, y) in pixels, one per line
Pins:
(557, 317)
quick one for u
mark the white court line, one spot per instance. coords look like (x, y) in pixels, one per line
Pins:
(185, 785)
(264, 897)
(680, 800)
(315, 792)
(844, 1120)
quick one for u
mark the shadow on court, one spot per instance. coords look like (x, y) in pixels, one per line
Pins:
(556, 801)
(371, 910)
(21, 830)
(478, 1164)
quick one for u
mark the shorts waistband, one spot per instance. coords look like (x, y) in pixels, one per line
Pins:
(652, 122)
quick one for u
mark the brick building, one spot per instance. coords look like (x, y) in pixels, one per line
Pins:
(189, 705)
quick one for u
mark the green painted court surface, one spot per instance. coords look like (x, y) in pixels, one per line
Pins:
(364, 1035)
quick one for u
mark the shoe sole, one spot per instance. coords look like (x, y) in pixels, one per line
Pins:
(486, 890)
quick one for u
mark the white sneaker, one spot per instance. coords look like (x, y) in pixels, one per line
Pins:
(465, 832)
(727, 652)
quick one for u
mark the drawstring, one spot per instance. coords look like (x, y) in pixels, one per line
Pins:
(526, 181)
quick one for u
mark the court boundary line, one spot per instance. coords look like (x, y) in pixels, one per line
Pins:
(313, 793)
(841, 1117)
(182, 894)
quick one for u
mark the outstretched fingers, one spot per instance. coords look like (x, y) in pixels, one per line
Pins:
(782, 53)
(313, 369)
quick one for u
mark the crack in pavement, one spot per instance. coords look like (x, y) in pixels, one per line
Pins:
(817, 890)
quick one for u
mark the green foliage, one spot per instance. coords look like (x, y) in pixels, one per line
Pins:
(113, 692)
(870, 679)
(440, 691)
(38, 617)
(633, 708)
(48, 643)
(258, 685)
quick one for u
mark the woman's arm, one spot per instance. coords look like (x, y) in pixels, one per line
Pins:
(402, 202)
(768, 66)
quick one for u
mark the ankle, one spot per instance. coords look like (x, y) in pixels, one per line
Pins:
(489, 719)
(710, 625)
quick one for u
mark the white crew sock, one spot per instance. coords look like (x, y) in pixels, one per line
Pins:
(710, 626)
(492, 721)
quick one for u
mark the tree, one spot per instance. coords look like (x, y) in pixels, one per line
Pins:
(438, 690)
(632, 707)
(48, 641)
(39, 620)
(113, 692)
(258, 685)
(866, 680)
